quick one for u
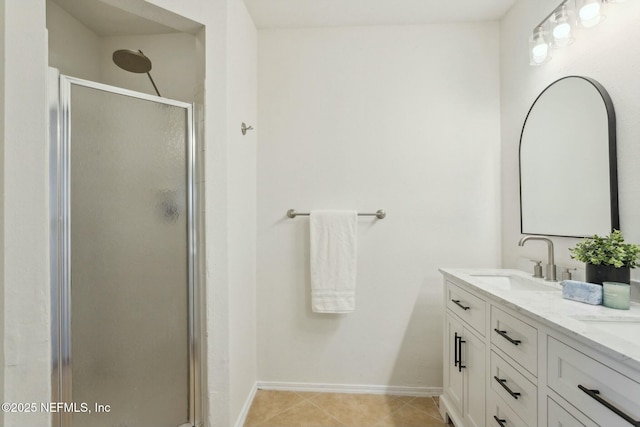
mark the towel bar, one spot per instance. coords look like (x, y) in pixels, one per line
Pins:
(380, 214)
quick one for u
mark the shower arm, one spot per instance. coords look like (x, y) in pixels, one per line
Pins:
(153, 83)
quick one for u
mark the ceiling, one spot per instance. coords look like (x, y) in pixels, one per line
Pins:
(334, 13)
(118, 17)
(124, 17)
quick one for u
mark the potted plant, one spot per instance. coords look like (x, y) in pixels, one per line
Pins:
(607, 258)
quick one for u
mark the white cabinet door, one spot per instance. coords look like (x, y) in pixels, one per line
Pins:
(453, 373)
(473, 362)
(465, 371)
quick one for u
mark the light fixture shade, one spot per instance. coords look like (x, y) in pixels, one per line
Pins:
(590, 12)
(539, 47)
(562, 26)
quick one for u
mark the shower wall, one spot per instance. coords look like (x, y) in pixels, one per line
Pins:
(73, 48)
(77, 51)
(174, 64)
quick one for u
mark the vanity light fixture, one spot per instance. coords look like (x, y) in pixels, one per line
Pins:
(557, 29)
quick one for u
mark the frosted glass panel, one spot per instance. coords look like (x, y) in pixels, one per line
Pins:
(129, 260)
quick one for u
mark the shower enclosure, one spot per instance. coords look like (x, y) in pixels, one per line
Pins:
(125, 347)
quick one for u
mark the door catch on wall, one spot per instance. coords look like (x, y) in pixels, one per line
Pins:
(244, 128)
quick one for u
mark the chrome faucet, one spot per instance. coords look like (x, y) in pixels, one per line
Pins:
(551, 268)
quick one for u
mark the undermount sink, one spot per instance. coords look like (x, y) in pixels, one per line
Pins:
(511, 282)
(627, 328)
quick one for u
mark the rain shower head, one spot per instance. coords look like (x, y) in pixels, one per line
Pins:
(134, 62)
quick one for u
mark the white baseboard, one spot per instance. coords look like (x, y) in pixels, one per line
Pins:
(351, 388)
(242, 417)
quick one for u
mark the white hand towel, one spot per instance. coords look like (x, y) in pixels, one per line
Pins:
(333, 260)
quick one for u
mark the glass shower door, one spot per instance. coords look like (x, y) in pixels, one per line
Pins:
(127, 328)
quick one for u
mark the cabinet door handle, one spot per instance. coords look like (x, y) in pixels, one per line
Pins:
(460, 365)
(594, 395)
(506, 387)
(455, 349)
(504, 335)
(499, 421)
(457, 302)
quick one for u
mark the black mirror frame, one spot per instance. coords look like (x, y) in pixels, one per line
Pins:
(613, 161)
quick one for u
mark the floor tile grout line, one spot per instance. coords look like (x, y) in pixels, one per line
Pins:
(402, 405)
(281, 412)
(305, 398)
(337, 419)
(439, 418)
(325, 411)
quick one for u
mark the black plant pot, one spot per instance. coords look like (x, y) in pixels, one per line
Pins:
(607, 273)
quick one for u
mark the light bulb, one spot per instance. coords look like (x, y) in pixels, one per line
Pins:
(562, 31)
(538, 47)
(540, 52)
(591, 13)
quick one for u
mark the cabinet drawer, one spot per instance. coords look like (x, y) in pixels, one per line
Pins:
(499, 414)
(517, 391)
(557, 416)
(467, 306)
(573, 374)
(516, 338)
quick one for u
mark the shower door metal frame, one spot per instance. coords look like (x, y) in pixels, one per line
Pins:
(60, 243)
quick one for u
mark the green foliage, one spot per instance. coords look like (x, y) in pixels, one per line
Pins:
(610, 250)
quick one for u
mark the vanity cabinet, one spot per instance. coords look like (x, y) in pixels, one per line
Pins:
(503, 368)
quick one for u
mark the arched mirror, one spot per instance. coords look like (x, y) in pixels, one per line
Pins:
(568, 171)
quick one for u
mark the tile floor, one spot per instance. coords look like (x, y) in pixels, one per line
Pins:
(306, 409)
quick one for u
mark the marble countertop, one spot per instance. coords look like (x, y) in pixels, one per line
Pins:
(615, 333)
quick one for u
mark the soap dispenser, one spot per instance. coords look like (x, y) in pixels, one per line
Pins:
(566, 274)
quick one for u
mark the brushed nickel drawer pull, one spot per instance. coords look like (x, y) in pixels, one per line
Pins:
(506, 387)
(594, 395)
(504, 335)
(457, 302)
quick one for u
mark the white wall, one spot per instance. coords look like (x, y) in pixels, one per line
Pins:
(608, 53)
(73, 48)
(241, 101)
(27, 343)
(404, 119)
